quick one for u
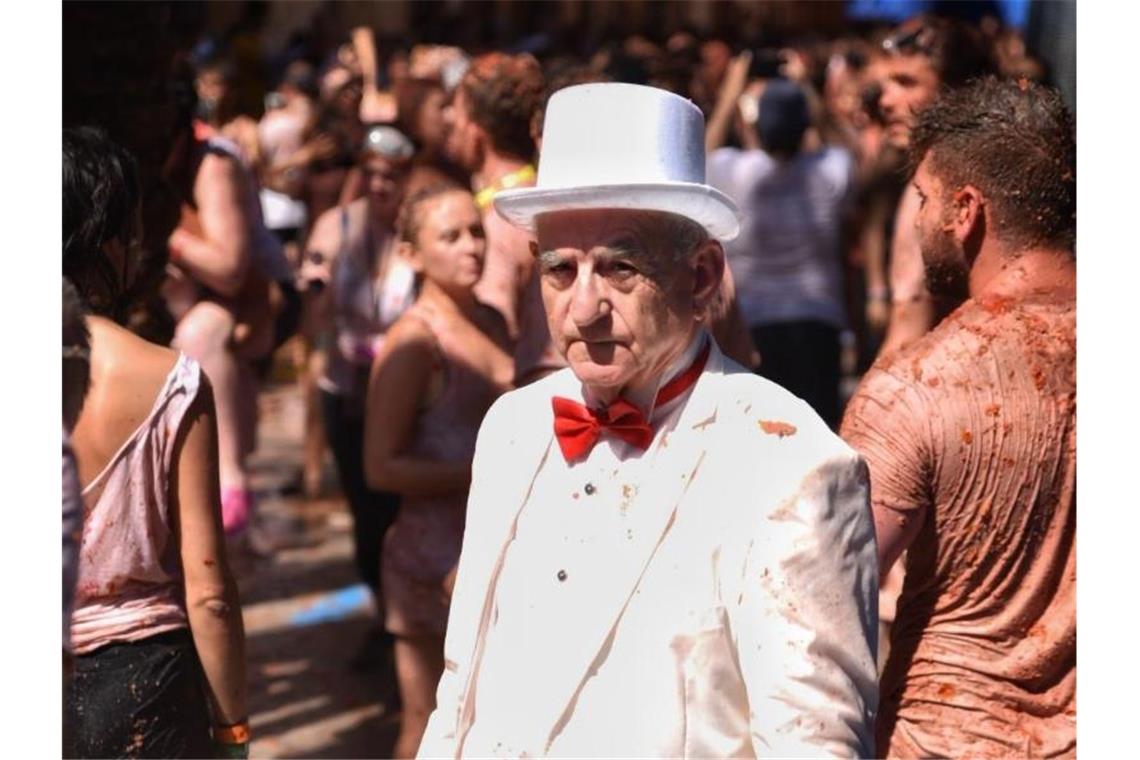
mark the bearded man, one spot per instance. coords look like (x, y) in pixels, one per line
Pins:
(970, 434)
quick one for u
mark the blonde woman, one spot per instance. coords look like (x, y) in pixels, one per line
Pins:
(442, 366)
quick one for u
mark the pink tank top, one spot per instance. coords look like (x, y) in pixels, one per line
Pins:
(447, 430)
(130, 575)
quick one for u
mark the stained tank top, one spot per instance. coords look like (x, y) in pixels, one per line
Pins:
(130, 584)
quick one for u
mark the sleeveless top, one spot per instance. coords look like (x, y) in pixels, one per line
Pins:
(363, 306)
(423, 544)
(130, 583)
(447, 429)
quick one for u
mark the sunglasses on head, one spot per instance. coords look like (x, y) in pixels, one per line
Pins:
(908, 43)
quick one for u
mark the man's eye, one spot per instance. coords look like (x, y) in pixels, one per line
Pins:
(558, 269)
(622, 269)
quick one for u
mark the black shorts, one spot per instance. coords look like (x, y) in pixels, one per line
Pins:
(140, 699)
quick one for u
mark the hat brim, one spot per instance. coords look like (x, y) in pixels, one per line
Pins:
(705, 205)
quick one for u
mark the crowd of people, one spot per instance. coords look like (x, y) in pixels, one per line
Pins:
(480, 264)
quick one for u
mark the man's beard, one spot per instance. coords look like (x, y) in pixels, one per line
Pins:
(947, 272)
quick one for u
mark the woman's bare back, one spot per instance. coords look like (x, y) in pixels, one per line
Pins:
(127, 375)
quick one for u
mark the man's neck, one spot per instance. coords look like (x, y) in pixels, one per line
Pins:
(1018, 274)
(495, 167)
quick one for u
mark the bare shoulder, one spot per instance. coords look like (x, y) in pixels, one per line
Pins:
(123, 351)
(409, 337)
(127, 375)
(217, 167)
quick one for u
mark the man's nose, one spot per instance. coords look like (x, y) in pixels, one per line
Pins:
(887, 97)
(589, 301)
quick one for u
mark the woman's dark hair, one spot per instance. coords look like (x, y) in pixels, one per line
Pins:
(1014, 140)
(100, 204)
(76, 355)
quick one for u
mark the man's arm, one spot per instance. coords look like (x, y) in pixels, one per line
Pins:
(885, 423)
(806, 621)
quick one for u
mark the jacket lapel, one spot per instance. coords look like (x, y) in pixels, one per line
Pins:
(524, 450)
(677, 456)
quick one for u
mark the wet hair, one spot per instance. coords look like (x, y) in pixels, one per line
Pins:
(76, 355)
(411, 212)
(956, 50)
(502, 92)
(1015, 142)
(100, 200)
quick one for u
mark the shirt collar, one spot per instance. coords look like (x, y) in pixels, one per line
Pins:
(645, 398)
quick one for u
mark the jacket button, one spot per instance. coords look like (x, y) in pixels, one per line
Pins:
(561, 575)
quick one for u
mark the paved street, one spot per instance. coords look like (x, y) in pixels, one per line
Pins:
(305, 614)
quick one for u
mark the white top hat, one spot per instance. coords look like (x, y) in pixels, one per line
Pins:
(626, 146)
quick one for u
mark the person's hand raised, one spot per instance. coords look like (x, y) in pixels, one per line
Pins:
(736, 76)
(378, 106)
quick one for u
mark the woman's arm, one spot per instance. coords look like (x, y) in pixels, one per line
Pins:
(397, 387)
(220, 255)
(212, 603)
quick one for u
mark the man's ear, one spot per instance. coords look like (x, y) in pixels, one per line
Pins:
(708, 270)
(969, 208)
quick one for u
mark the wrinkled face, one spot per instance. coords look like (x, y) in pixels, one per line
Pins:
(619, 310)
(909, 84)
(450, 244)
(385, 180)
(947, 267)
(462, 133)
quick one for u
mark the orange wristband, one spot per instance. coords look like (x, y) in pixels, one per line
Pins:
(238, 733)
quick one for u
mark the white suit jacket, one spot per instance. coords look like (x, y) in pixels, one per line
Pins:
(744, 623)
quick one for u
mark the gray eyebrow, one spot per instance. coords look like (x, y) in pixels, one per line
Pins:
(548, 258)
(622, 248)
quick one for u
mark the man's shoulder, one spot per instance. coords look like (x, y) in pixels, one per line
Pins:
(932, 362)
(762, 417)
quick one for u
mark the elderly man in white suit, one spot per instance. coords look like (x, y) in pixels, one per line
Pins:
(665, 555)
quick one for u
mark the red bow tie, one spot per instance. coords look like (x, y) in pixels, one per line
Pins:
(578, 428)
